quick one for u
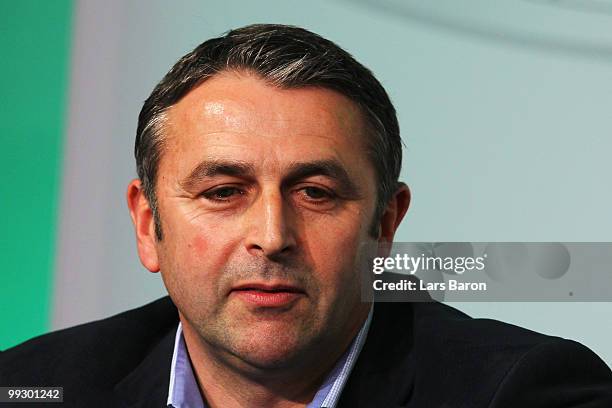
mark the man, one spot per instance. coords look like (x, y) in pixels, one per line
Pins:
(268, 162)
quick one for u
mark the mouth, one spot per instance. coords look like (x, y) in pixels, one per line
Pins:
(267, 295)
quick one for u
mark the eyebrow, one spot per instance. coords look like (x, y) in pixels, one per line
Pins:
(329, 168)
(211, 168)
(296, 171)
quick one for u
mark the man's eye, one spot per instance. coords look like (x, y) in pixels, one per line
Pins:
(222, 193)
(316, 194)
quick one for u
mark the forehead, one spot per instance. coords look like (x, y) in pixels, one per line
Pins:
(240, 116)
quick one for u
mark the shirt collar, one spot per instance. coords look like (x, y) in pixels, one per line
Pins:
(183, 389)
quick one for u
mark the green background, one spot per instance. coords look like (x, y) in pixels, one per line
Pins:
(35, 44)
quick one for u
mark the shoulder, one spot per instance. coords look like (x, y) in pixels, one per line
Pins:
(488, 362)
(558, 372)
(435, 324)
(95, 354)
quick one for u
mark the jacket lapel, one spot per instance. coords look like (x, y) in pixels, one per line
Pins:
(384, 373)
(147, 385)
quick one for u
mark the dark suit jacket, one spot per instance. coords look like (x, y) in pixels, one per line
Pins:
(416, 355)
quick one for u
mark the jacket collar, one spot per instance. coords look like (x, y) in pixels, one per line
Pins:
(386, 357)
(147, 384)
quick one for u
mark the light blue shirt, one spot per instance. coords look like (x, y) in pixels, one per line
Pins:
(183, 391)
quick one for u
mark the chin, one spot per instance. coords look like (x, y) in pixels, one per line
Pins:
(270, 359)
(271, 349)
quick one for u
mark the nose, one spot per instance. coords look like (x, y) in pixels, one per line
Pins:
(270, 229)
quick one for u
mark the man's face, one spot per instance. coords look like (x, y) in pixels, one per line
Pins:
(265, 198)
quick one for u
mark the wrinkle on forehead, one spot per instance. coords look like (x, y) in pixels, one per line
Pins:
(213, 108)
(245, 103)
(241, 116)
(226, 115)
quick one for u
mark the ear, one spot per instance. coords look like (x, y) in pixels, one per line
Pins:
(142, 218)
(394, 213)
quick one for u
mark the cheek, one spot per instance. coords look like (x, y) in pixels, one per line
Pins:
(193, 255)
(204, 252)
(334, 251)
(199, 244)
(198, 240)
(192, 266)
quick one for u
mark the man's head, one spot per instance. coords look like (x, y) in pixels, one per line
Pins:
(267, 159)
(285, 57)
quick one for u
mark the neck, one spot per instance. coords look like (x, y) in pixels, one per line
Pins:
(227, 381)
